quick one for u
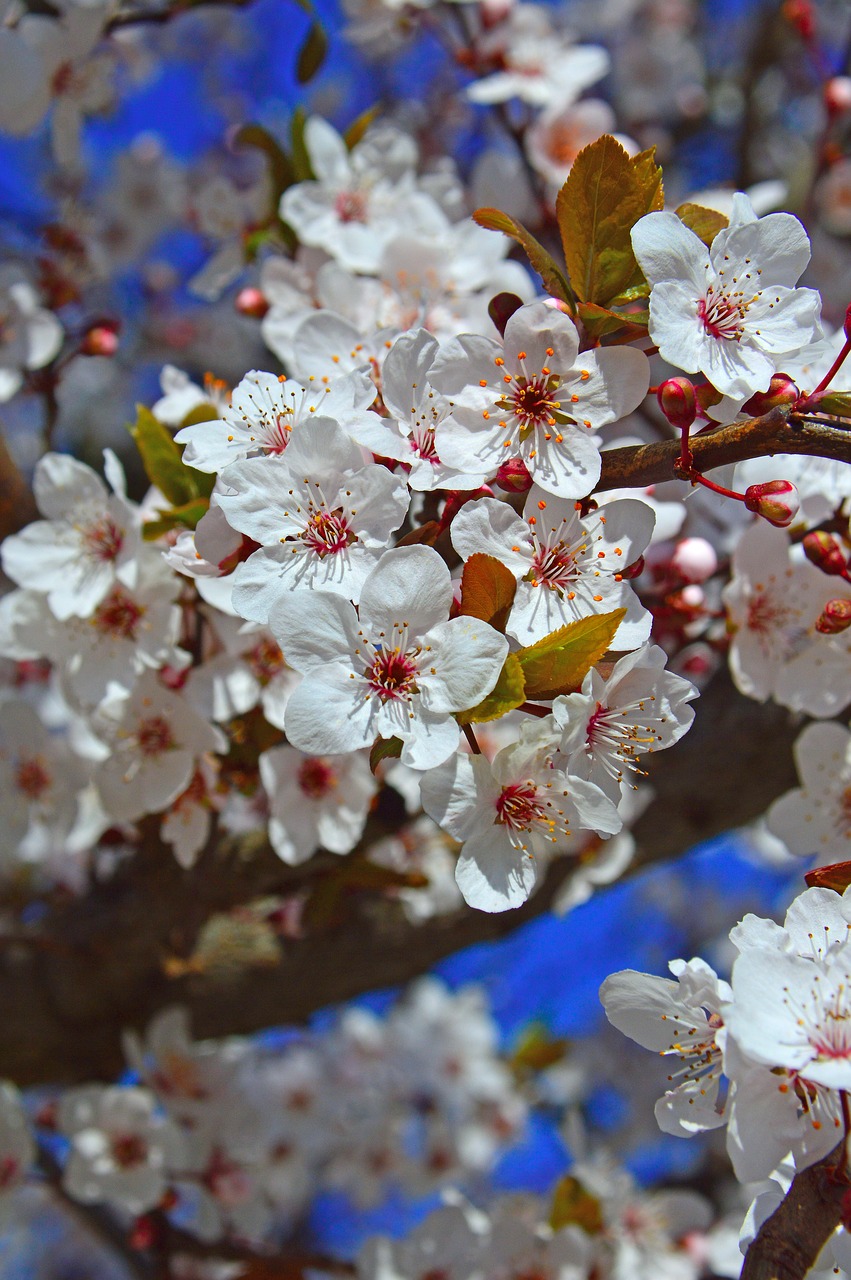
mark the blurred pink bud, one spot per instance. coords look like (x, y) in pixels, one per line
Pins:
(455, 499)
(513, 476)
(823, 550)
(781, 392)
(835, 617)
(251, 302)
(837, 94)
(694, 559)
(101, 340)
(678, 402)
(776, 501)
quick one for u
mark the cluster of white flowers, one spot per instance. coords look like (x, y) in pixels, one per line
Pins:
(766, 1055)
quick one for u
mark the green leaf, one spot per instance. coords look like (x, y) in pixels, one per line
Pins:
(705, 223)
(631, 294)
(201, 413)
(162, 459)
(187, 516)
(599, 321)
(542, 261)
(836, 402)
(280, 167)
(605, 194)
(508, 693)
(302, 168)
(312, 53)
(487, 590)
(384, 749)
(573, 1206)
(561, 661)
(537, 1049)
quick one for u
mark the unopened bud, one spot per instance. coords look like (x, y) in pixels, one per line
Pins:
(143, 1233)
(633, 570)
(800, 14)
(101, 340)
(776, 501)
(847, 324)
(825, 553)
(455, 499)
(781, 392)
(835, 617)
(694, 559)
(250, 301)
(513, 476)
(837, 95)
(678, 402)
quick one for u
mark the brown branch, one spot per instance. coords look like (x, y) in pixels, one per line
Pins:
(63, 1012)
(642, 465)
(789, 1242)
(17, 505)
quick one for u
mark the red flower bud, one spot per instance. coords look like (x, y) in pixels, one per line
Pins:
(251, 302)
(837, 95)
(513, 476)
(781, 392)
(776, 501)
(800, 14)
(101, 340)
(678, 402)
(144, 1233)
(825, 553)
(835, 617)
(455, 499)
(633, 570)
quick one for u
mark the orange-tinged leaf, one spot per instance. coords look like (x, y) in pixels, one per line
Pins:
(487, 590)
(599, 321)
(605, 194)
(541, 259)
(573, 1206)
(537, 1049)
(837, 877)
(561, 661)
(705, 223)
(507, 694)
(424, 535)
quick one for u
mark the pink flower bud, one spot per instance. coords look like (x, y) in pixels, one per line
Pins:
(101, 340)
(823, 550)
(513, 476)
(837, 94)
(776, 501)
(781, 392)
(835, 617)
(694, 559)
(251, 302)
(678, 402)
(633, 570)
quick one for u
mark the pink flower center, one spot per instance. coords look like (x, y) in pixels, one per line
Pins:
(766, 613)
(103, 540)
(350, 206)
(392, 675)
(266, 661)
(10, 1170)
(328, 533)
(424, 447)
(721, 316)
(316, 777)
(118, 616)
(155, 736)
(128, 1150)
(32, 777)
(278, 433)
(518, 806)
(554, 567)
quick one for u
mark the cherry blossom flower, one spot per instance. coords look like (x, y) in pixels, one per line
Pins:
(605, 727)
(30, 335)
(678, 1020)
(87, 542)
(315, 801)
(121, 1149)
(40, 779)
(321, 515)
(542, 66)
(508, 811)
(536, 397)
(730, 312)
(773, 600)
(567, 567)
(264, 412)
(17, 1145)
(816, 817)
(400, 669)
(155, 739)
(250, 671)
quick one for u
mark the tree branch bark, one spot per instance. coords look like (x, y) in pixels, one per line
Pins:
(789, 1242)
